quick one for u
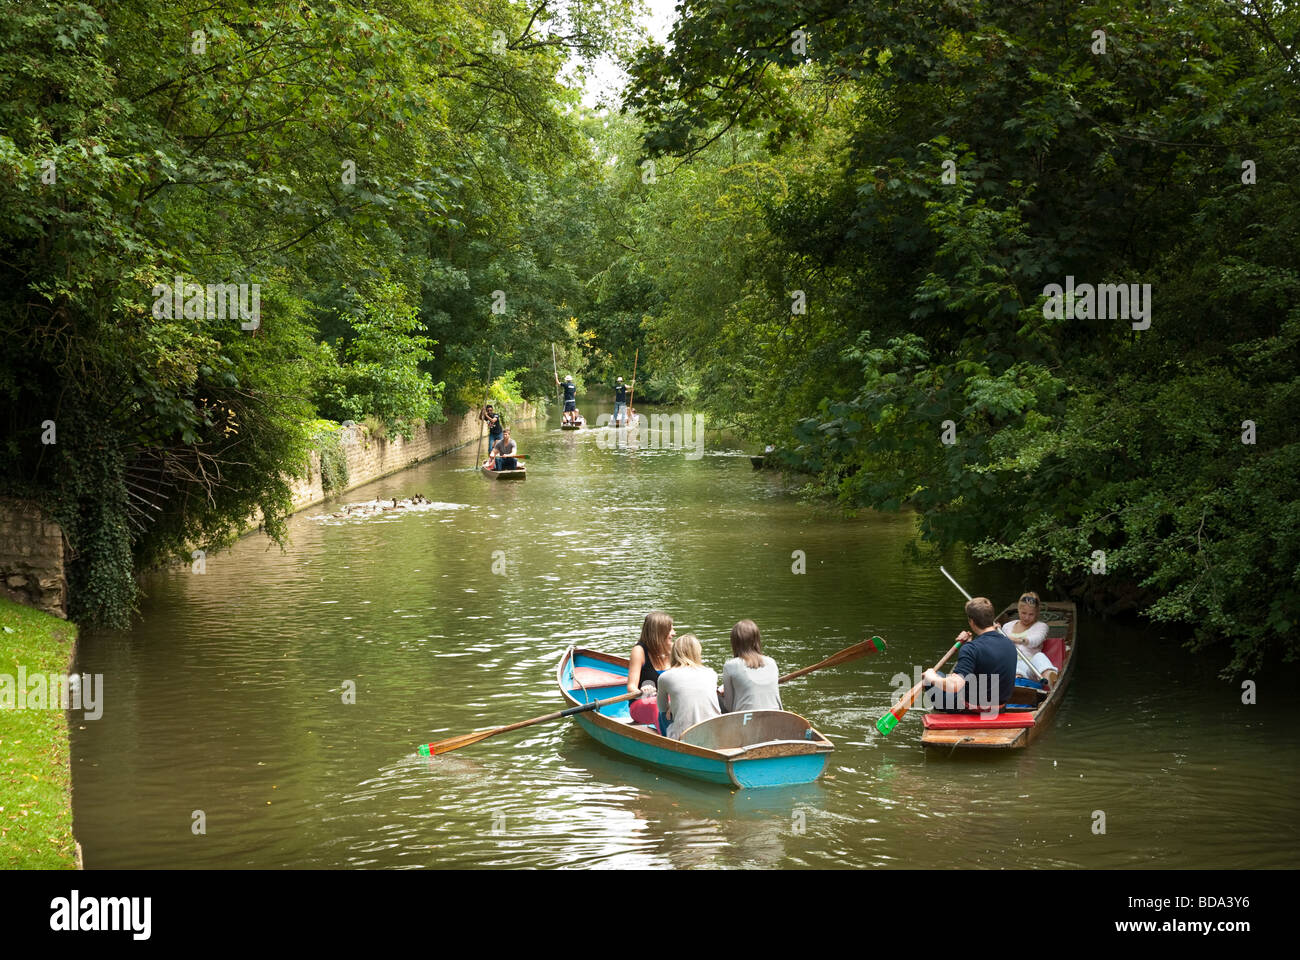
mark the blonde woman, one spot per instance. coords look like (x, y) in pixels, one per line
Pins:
(750, 680)
(1029, 633)
(649, 658)
(688, 690)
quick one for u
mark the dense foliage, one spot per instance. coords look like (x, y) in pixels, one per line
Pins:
(921, 172)
(378, 171)
(836, 225)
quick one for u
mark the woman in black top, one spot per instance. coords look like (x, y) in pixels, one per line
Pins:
(648, 659)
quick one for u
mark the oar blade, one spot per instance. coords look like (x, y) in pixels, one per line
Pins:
(886, 723)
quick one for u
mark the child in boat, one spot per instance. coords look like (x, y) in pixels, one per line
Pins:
(688, 690)
(1030, 632)
(649, 658)
(750, 680)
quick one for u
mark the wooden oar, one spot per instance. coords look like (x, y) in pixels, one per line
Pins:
(479, 446)
(627, 414)
(890, 720)
(844, 656)
(1024, 659)
(465, 739)
(556, 370)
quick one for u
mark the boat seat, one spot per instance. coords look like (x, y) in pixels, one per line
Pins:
(1028, 692)
(592, 677)
(973, 721)
(1054, 647)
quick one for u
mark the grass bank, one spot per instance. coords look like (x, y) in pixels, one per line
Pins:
(35, 773)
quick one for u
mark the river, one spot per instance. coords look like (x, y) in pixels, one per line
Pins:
(227, 741)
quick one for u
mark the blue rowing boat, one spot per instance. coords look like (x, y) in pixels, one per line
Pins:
(762, 748)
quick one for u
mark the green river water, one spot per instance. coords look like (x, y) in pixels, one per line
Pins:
(227, 696)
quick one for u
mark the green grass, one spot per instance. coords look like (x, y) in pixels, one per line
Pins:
(35, 775)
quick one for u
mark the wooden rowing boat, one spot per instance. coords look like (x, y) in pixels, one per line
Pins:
(519, 474)
(1013, 730)
(762, 748)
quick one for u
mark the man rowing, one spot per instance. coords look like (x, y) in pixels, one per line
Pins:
(985, 675)
(500, 456)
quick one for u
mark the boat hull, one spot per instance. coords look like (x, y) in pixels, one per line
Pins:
(976, 740)
(504, 474)
(795, 754)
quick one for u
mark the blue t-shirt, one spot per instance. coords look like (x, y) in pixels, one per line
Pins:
(980, 660)
(570, 390)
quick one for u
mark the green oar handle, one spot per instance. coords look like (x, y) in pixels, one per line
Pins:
(890, 720)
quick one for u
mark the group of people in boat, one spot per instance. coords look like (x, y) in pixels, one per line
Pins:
(992, 657)
(501, 447)
(678, 690)
(622, 414)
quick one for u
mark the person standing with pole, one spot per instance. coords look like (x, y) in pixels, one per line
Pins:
(570, 397)
(620, 402)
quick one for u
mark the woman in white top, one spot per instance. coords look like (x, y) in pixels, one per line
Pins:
(1030, 632)
(750, 681)
(688, 690)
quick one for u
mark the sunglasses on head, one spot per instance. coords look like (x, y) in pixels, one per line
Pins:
(1028, 599)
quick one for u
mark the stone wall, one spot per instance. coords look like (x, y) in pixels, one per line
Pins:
(31, 558)
(370, 457)
(31, 547)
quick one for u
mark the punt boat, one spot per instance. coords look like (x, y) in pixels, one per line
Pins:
(1014, 729)
(763, 748)
(573, 425)
(519, 474)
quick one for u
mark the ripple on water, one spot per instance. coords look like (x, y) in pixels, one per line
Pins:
(230, 695)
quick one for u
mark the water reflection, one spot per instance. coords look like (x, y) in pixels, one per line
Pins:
(228, 695)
